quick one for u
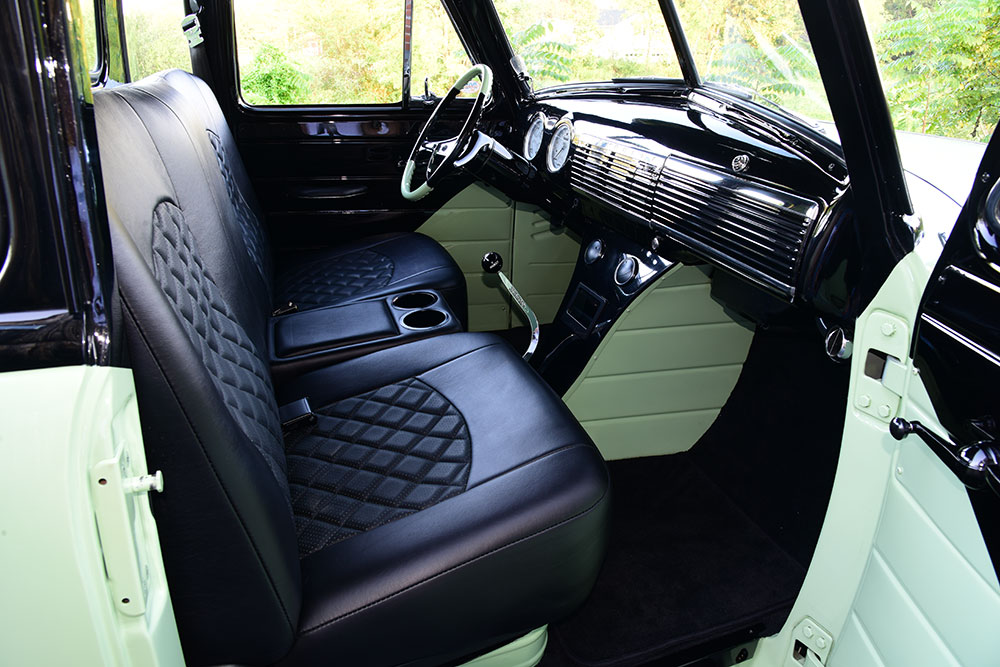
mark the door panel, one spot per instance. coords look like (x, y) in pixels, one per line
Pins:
(324, 178)
(82, 581)
(930, 593)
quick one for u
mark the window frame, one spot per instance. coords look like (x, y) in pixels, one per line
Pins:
(407, 101)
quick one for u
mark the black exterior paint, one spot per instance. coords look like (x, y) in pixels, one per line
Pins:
(957, 343)
(53, 295)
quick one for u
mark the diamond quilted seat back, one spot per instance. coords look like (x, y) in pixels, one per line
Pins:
(209, 417)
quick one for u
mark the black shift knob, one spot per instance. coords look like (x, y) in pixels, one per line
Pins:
(492, 262)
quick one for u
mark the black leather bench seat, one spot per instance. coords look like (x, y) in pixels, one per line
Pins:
(444, 500)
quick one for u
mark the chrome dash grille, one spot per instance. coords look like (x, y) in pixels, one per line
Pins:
(616, 175)
(752, 229)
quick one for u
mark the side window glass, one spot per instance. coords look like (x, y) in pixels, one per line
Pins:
(153, 37)
(319, 52)
(88, 17)
(437, 53)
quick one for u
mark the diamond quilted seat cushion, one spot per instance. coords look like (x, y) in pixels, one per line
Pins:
(374, 266)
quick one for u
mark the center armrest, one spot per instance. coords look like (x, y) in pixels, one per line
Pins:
(338, 326)
(303, 341)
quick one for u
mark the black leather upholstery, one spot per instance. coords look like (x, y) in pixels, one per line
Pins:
(518, 548)
(186, 125)
(375, 266)
(226, 528)
(444, 500)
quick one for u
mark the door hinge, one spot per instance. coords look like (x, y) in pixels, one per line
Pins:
(118, 492)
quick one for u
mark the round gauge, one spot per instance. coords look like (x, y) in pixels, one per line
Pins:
(533, 137)
(562, 138)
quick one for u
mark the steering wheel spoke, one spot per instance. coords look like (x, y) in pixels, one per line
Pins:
(441, 155)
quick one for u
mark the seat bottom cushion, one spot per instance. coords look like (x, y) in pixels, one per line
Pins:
(445, 501)
(371, 267)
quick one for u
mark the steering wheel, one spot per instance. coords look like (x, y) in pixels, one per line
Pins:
(441, 155)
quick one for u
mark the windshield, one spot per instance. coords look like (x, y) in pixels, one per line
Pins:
(758, 47)
(576, 41)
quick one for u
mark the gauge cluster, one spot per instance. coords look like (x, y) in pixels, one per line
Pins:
(558, 132)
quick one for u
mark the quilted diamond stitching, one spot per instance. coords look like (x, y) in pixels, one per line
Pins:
(250, 228)
(325, 281)
(232, 360)
(375, 458)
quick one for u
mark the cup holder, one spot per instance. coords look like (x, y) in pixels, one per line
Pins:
(424, 319)
(413, 300)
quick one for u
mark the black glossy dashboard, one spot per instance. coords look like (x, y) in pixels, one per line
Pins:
(698, 177)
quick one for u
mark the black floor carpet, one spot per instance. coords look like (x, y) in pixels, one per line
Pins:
(709, 548)
(685, 566)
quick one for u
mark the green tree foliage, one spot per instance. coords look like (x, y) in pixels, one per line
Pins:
(545, 59)
(272, 79)
(780, 69)
(154, 38)
(942, 68)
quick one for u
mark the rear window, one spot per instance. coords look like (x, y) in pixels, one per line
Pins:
(153, 37)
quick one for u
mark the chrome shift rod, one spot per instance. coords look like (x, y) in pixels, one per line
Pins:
(492, 263)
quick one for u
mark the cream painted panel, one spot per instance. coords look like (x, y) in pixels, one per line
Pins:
(900, 633)
(661, 375)
(656, 392)
(474, 222)
(670, 347)
(632, 437)
(538, 257)
(855, 647)
(544, 259)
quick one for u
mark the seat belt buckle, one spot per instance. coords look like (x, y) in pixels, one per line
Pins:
(192, 30)
(284, 309)
(295, 414)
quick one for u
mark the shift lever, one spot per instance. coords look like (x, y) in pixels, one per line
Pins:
(492, 263)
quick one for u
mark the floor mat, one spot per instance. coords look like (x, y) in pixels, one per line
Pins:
(682, 557)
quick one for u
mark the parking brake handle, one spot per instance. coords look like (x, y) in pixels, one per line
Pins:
(492, 263)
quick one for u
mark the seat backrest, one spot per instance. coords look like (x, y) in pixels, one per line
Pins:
(195, 324)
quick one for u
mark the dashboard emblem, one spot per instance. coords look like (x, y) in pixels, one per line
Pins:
(741, 162)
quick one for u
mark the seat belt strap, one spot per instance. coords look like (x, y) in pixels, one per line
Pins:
(191, 25)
